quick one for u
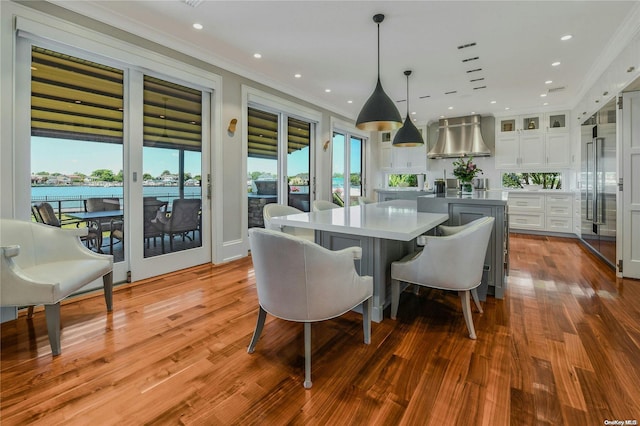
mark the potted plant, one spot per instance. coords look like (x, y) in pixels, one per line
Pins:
(465, 171)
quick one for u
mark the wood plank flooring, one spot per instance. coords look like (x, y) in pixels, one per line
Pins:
(563, 348)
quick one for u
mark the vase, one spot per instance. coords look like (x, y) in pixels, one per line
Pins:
(466, 188)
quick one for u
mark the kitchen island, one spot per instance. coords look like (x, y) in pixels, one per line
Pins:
(463, 209)
(385, 231)
(400, 193)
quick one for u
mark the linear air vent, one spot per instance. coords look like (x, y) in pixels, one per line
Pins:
(192, 3)
(451, 92)
(425, 96)
(464, 46)
(480, 87)
(474, 70)
(475, 58)
(556, 89)
(476, 79)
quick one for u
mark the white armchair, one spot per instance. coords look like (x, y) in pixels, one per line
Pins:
(319, 205)
(451, 262)
(41, 265)
(301, 281)
(274, 210)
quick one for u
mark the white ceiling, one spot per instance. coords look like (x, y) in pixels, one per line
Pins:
(332, 44)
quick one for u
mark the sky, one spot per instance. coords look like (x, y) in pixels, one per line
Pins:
(70, 156)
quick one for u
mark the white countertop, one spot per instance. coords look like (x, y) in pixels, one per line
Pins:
(393, 220)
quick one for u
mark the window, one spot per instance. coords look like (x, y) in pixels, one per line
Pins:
(347, 168)
(543, 180)
(278, 161)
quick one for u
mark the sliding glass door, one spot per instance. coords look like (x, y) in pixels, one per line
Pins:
(122, 153)
(347, 168)
(278, 162)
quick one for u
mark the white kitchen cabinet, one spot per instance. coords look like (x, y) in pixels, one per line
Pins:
(386, 157)
(413, 159)
(520, 150)
(541, 211)
(557, 148)
(528, 123)
(533, 141)
(402, 159)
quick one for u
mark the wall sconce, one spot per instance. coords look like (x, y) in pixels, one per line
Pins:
(232, 126)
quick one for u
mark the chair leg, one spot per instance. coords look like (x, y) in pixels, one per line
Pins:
(395, 297)
(107, 284)
(366, 319)
(476, 299)
(52, 314)
(262, 315)
(30, 312)
(307, 355)
(466, 310)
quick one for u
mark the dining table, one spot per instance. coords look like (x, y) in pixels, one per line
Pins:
(385, 231)
(95, 219)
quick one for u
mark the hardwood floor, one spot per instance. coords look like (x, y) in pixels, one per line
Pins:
(561, 349)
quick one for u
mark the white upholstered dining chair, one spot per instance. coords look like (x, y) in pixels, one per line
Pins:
(453, 261)
(274, 210)
(41, 265)
(319, 205)
(300, 281)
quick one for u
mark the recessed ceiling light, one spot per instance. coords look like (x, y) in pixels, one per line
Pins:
(566, 37)
(442, 116)
(327, 90)
(543, 95)
(555, 64)
(546, 103)
(493, 102)
(507, 108)
(450, 107)
(349, 101)
(548, 82)
(257, 55)
(413, 113)
(297, 75)
(473, 112)
(197, 26)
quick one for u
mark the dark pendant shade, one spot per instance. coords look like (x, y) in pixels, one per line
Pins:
(408, 135)
(379, 112)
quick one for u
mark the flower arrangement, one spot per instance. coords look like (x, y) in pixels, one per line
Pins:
(465, 170)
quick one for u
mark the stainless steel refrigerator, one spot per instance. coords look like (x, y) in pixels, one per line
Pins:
(599, 183)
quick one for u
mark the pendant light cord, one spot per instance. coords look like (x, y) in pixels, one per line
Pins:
(407, 73)
(378, 51)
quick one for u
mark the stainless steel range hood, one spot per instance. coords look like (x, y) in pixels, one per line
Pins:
(459, 136)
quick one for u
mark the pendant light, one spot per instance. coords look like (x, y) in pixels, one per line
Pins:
(408, 135)
(379, 112)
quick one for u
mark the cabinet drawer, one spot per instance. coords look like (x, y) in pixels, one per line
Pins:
(562, 198)
(559, 224)
(526, 221)
(559, 210)
(526, 202)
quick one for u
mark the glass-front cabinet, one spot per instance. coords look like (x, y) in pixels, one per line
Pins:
(528, 123)
(557, 122)
(537, 140)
